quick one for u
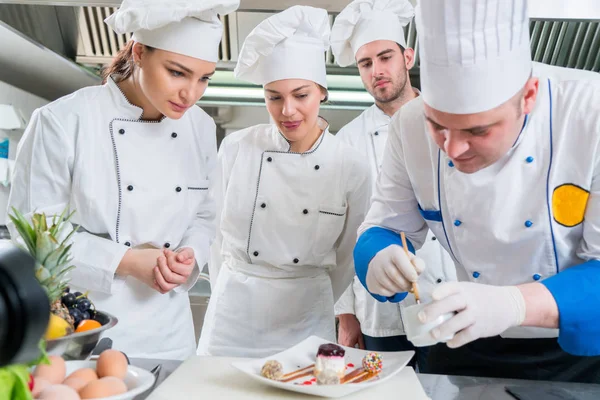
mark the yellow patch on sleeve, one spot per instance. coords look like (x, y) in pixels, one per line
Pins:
(568, 204)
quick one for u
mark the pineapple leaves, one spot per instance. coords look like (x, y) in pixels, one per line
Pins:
(42, 242)
(25, 230)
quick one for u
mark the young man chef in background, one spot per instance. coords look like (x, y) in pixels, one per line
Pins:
(503, 166)
(370, 33)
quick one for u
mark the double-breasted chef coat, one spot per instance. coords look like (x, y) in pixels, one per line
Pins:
(286, 231)
(527, 217)
(368, 134)
(132, 184)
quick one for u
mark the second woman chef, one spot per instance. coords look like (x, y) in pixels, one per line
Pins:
(291, 198)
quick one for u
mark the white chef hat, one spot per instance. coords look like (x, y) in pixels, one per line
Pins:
(191, 27)
(365, 21)
(287, 45)
(475, 54)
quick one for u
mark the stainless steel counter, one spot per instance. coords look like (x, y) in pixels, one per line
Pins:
(443, 387)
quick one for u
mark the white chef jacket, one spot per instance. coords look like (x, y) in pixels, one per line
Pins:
(132, 184)
(519, 220)
(283, 251)
(368, 133)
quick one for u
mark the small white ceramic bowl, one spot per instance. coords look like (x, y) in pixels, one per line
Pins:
(417, 332)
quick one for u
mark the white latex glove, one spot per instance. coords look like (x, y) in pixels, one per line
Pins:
(391, 271)
(482, 311)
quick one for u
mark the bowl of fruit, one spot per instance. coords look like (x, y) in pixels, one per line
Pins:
(75, 326)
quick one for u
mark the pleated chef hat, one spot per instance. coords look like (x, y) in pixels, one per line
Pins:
(475, 54)
(365, 21)
(287, 45)
(191, 27)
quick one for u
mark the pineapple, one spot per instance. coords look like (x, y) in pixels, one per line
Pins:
(51, 254)
(59, 309)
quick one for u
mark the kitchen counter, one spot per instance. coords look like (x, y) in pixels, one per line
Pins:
(443, 387)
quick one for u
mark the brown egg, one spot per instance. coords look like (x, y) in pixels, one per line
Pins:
(103, 387)
(53, 373)
(59, 392)
(80, 378)
(39, 384)
(111, 363)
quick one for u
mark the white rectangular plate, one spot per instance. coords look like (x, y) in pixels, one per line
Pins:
(304, 354)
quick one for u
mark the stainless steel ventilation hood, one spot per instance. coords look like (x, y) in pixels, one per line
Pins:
(563, 32)
(38, 70)
(584, 10)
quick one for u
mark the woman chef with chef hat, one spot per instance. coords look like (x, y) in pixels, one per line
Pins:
(133, 159)
(291, 197)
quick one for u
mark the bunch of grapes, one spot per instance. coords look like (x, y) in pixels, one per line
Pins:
(79, 306)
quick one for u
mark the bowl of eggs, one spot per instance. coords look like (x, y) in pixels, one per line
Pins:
(107, 378)
(79, 345)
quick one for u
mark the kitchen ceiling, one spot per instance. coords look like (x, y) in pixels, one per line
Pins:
(78, 33)
(74, 29)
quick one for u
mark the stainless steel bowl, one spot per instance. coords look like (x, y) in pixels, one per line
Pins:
(79, 346)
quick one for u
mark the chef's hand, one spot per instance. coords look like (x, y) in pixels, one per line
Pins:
(140, 264)
(174, 268)
(482, 311)
(391, 271)
(349, 333)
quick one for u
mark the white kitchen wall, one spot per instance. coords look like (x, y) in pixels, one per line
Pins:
(25, 103)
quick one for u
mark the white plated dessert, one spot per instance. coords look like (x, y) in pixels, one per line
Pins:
(330, 357)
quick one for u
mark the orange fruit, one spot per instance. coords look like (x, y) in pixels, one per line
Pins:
(87, 325)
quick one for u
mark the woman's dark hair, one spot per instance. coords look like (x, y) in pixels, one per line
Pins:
(325, 92)
(123, 63)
